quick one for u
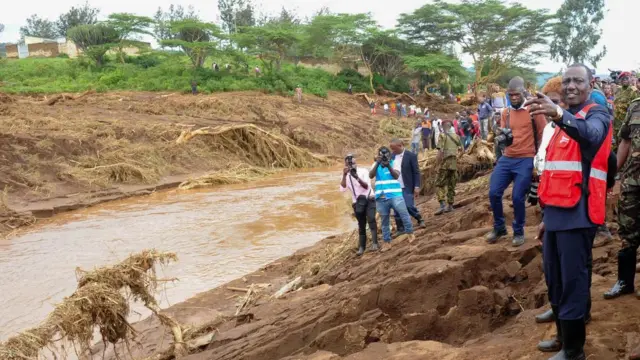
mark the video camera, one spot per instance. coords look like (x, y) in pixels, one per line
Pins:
(614, 74)
(504, 136)
(351, 165)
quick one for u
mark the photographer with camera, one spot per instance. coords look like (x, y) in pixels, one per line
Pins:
(389, 194)
(520, 134)
(364, 203)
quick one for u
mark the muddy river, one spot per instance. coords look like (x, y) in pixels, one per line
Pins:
(219, 234)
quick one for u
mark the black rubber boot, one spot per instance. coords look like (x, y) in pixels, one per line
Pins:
(626, 274)
(362, 244)
(374, 241)
(587, 318)
(545, 317)
(554, 344)
(574, 336)
(449, 208)
(442, 208)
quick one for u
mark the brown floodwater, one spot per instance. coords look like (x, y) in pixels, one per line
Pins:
(219, 234)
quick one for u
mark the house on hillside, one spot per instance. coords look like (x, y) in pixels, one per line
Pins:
(41, 47)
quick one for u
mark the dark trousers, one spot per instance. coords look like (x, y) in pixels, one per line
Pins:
(407, 194)
(368, 216)
(510, 170)
(568, 263)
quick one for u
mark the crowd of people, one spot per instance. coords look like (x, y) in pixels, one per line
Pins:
(561, 148)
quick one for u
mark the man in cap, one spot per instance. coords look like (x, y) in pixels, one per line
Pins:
(448, 146)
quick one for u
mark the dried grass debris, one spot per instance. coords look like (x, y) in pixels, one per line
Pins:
(238, 174)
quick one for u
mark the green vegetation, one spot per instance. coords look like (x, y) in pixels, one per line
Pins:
(502, 39)
(162, 71)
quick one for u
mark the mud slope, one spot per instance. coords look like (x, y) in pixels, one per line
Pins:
(448, 295)
(65, 151)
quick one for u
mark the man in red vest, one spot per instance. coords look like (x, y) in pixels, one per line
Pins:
(573, 190)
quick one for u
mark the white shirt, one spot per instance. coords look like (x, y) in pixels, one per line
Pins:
(397, 166)
(386, 106)
(357, 189)
(437, 123)
(547, 134)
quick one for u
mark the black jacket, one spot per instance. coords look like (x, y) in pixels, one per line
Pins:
(410, 170)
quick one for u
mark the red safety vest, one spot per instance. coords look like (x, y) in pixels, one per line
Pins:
(561, 182)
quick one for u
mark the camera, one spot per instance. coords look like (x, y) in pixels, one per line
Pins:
(351, 165)
(504, 136)
(385, 155)
(533, 192)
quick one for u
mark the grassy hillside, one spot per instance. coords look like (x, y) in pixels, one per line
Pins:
(161, 71)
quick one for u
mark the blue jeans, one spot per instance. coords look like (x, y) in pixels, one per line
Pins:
(398, 205)
(466, 141)
(510, 170)
(415, 147)
(409, 201)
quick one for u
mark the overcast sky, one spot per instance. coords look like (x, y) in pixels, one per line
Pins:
(621, 14)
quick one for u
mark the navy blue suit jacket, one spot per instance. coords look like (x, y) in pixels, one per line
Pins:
(410, 170)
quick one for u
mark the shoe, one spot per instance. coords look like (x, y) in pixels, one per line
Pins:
(412, 238)
(375, 246)
(518, 240)
(545, 317)
(360, 251)
(574, 336)
(422, 224)
(449, 208)
(620, 288)
(552, 345)
(398, 234)
(442, 209)
(494, 235)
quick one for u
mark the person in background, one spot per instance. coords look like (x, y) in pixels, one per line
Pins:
(449, 145)
(372, 106)
(436, 129)
(412, 110)
(607, 89)
(415, 140)
(426, 134)
(350, 89)
(404, 110)
(465, 129)
(427, 113)
(356, 181)
(386, 109)
(399, 109)
(458, 99)
(389, 195)
(475, 125)
(299, 94)
(194, 87)
(578, 153)
(626, 93)
(215, 67)
(516, 165)
(418, 112)
(392, 107)
(257, 71)
(485, 113)
(406, 163)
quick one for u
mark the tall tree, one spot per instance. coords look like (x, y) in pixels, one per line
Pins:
(577, 32)
(441, 69)
(487, 30)
(270, 42)
(76, 16)
(39, 27)
(129, 27)
(163, 19)
(236, 14)
(385, 49)
(94, 40)
(195, 38)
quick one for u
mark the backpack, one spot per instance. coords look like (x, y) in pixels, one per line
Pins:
(465, 125)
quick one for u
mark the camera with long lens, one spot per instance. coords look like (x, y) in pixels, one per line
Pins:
(504, 137)
(351, 165)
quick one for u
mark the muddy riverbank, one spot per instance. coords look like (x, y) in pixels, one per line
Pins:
(219, 234)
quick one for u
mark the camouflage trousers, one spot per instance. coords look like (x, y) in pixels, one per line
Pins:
(446, 185)
(629, 215)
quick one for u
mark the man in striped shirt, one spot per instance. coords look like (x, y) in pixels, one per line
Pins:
(389, 194)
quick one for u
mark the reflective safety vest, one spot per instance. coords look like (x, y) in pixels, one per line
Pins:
(561, 182)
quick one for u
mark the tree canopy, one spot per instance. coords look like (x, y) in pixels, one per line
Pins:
(76, 16)
(39, 27)
(195, 38)
(94, 40)
(577, 32)
(486, 30)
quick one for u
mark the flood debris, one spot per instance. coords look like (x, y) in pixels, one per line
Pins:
(101, 302)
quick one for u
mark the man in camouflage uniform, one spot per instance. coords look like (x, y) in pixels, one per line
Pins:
(629, 203)
(448, 146)
(624, 95)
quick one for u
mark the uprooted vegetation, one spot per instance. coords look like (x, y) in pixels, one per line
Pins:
(53, 146)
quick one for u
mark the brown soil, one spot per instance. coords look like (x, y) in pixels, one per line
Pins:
(69, 151)
(448, 295)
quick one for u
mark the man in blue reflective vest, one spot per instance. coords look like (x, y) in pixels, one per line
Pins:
(389, 195)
